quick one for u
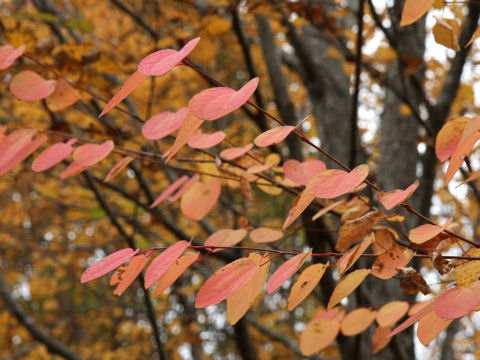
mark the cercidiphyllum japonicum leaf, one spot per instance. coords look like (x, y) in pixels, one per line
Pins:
(64, 96)
(286, 270)
(160, 62)
(414, 10)
(200, 198)
(329, 184)
(164, 261)
(391, 312)
(430, 326)
(386, 264)
(347, 285)
(174, 272)
(474, 37)
(446, 32)
(131, 84)
(130, 273)
(394, 198)
(225, 282)
(326, 209)
(357, 321)
(188, 184)
(302, 172)
(13, 143)
(305, 283)
(273, 136)
(380, 338)
(22, 154)
(87, 155)
(468, 271)
(225, 237)
(8, 54)
(189, 125)
(458, 302)
(169, 190)
(235, 152)
(384, 240)
(423, 310)
(265, 235)
(349, 258)
(29, 86)
(53, 155)
(299, 205)
(163, 124)
(449, 136)
(214, 103)
(353, 230)
(320, 331)
(423, 233)
(119, 166)
(107, 264)
(205, 141)
(239, 303)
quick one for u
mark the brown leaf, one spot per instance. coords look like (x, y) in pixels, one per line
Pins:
(412, 282)
(354, 230)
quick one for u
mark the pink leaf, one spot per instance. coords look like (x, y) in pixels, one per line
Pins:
(30, 86)
(212, 104)
(429, 306)
(22, 154)
(169, 190)
(301, 173)
(174, 272)
(13, 143)
(107, 264)
(273, 136)
(184, 188)
(457, 302)
(329, 184)
(163, 124)
(205, 141)
(90, 154)
(160, 62)
(122, 164)
(235, 152)
(286, 270)
(425, 232)
(131, 84)
(52, 155)
(225, 237)
(162, 262)
(393, 198)
(199, 199)
(8, 54)
(225, 282)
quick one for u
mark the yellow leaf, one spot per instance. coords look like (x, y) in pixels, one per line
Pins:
(304, 284)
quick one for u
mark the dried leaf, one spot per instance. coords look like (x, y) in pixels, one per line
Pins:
(353, 230)
(387, 263)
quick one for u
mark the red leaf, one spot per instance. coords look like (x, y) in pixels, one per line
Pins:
(131, 84)
(122, 164)
(205, 141)
(107, 264)
(393, 198)
(174, 272)
(225, 282)
(163, 124)
(160, 62)
(273, 136)
(30, 86)
(169, 190)
(457, 302)
(329, 184)
(162, 262)
(235, 152)
(286, 270)
(133, 269)
(197, 201)
(53, 155)
(301, 173)
(22, 154)
(212, 104)
(8, 54)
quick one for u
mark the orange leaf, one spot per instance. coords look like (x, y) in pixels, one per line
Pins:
(169, 190)
(430, 326)
(449, 136)
(357, 321)
(318, 335)
(265, 235)
(414, 10)
(393, 198)
(446, 33)
(239, 303)
(427, 307)
(131, 84)
(474, 37)
(425, 232)
(384, 240)
(328, 184)
(225, 237)
(273, 136)
(63, 96)
(200, 198)
(225, 282)
(286, 270)
(133, 269)
(162, 262)
(387, 263)
(380, 338)
(30, 86)
(183, 190)
(174, 272)
(391, 312)
(299, 205)
(353, 230)
(457, 302)
(305, 284)
(348, 259)
(235, 152)
(122, 164)
(347, 285)
(190, 124)
(326, 209)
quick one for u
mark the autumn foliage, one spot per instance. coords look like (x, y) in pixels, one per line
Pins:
(213, 174)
